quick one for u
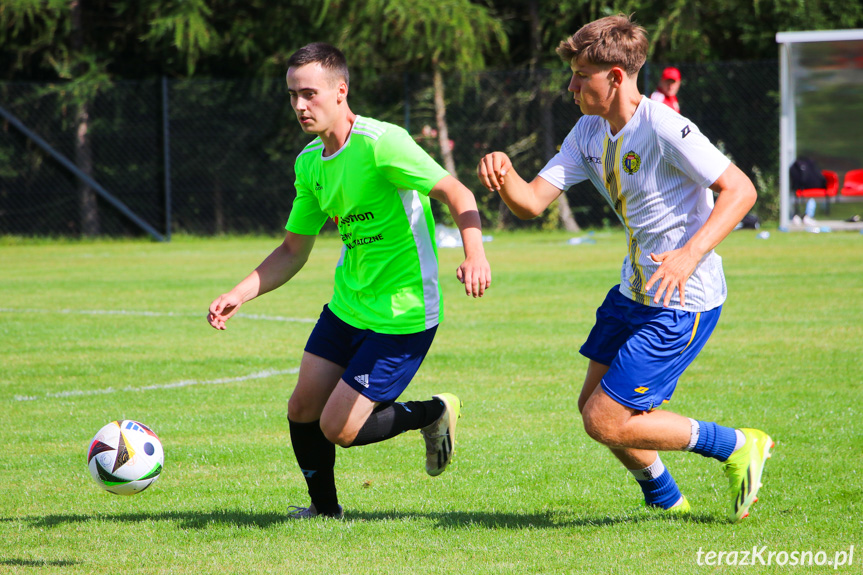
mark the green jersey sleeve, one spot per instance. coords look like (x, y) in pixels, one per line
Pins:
(306, 217)
(405, 164)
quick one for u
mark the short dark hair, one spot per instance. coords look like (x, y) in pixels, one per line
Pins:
(609, 41)
(328, 56)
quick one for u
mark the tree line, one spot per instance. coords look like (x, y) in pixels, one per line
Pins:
(113, 39)
(81, 47)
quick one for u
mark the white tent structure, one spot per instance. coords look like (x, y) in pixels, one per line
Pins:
(827, 60)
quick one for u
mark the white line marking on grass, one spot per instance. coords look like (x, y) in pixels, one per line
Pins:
(152, 314)
(176, 384)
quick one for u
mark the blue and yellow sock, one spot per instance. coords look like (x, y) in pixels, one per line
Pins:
(712, 440)
(657, 484)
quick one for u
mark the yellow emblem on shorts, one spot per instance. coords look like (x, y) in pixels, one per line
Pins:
(631, 162)
(641, 389)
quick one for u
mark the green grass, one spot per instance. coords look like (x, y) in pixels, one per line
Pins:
(528, 491)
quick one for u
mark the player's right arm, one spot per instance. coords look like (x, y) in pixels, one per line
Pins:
(526, 200)
(279, 267)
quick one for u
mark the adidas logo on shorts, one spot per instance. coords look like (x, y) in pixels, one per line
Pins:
(363, 380)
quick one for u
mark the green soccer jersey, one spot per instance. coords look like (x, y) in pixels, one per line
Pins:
(376, 190)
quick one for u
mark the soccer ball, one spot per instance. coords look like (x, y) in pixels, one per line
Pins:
(125, 457)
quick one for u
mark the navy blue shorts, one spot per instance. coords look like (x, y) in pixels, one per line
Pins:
(646, 348)
(378, 365)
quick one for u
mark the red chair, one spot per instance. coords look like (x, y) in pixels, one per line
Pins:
(830, 191)
(853, 185)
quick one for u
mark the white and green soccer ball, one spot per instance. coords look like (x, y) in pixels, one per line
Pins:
(125, 457)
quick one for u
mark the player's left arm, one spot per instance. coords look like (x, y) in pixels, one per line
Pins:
(736, 197)
(475, 271)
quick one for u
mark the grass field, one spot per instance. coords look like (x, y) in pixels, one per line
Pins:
(96, 331)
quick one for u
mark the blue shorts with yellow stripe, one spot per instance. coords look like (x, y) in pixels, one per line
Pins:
(646, 348)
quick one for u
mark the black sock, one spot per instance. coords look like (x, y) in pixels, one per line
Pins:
(317, 458)
(390, 420)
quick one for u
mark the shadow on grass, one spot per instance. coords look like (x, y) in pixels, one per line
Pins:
(38, 563)
(237, 518)
(546, 520)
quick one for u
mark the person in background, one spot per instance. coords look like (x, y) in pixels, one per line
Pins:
(666, 91)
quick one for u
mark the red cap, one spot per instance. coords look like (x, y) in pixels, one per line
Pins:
(671, 74)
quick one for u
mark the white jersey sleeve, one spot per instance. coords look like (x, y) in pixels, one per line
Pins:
(567, 167)
(687, 149)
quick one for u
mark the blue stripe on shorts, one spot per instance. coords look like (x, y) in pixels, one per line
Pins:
(646, 348)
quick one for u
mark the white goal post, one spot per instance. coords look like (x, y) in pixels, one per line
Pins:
(792, 76)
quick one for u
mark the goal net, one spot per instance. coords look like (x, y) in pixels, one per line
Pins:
(821, 82)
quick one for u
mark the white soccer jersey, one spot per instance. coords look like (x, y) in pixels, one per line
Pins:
(655, 174)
